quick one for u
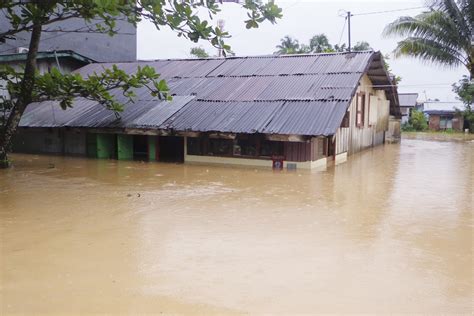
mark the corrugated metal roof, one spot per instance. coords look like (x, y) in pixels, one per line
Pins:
(295, 94)
(408, 99)
(86, 113)
(442, 106)
(307, 118)
(231, 117)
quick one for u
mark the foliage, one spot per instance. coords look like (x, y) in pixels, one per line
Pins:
(417, 122)
(199, 52)
(317, 44)
(320, 44)
(361, 46)
(289, 45)
(396, 79)
(180, 16)
(101, 87)
(443, 34)
(465, 91)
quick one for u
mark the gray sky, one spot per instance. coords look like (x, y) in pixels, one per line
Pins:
(305, 18)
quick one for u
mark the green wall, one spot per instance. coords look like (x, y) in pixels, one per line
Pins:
(152, 140)
(106, 146)
(124, 147)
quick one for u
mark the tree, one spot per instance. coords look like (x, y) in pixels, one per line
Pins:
(396, 79)
(320, 44)
(417, 121)
(361, 46)
(443, 34)
(465, 91)
(288, 45)
(317, 44)
(28, 86)
(198, 52)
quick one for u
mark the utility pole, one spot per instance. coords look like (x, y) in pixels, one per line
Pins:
(349, 28)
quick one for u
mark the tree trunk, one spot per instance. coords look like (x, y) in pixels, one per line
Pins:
(23, 99)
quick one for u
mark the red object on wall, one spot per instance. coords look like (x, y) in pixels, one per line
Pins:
(277, 162)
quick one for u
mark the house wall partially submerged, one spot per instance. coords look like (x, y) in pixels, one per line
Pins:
(364, 126)
(304, 111)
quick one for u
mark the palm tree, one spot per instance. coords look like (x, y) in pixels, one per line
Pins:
(320, 44)
(443, 35)
(288, 45)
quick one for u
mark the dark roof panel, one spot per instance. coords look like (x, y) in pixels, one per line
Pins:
(230, 117)
(307, 118)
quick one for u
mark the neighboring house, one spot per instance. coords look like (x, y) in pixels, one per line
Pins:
(444, 115)
(65, 60)
(96, 46)
(408, 101)
(298, 111)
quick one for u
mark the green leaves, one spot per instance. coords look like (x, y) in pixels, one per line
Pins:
(113, 88)
(180, 16)
(443, 34)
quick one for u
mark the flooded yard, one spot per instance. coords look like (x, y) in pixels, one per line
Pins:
(391, 230)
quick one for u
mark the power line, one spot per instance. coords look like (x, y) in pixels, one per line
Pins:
(387, 11)
(342, 32)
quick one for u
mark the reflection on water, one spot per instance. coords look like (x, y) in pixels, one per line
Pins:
(389, 231)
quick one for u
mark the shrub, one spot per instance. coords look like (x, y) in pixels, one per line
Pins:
(418, 121)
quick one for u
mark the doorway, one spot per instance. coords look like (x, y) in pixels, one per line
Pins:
(171, 149)
(140, 147)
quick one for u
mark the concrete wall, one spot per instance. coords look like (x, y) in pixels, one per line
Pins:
(100, 47)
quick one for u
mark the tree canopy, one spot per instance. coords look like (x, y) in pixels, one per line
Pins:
(317, 44)
(443, 34)
(198, 52)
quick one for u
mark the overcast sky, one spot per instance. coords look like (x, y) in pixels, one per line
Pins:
(304, 18)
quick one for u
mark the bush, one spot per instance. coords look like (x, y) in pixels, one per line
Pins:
(417, 121)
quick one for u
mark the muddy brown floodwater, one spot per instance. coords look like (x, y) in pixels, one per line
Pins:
(389, 231)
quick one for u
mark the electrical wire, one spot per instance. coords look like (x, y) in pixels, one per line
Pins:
(342, 32)
(387, 11)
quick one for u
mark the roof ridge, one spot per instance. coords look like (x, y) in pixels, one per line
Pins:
(250, 57)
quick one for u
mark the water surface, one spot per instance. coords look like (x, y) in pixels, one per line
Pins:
(388, 231)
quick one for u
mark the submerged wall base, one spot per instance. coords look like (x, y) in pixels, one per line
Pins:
(318, 164)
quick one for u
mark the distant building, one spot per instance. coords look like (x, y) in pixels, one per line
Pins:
(295, 111)
(96, 46)
(408, 101)
(66, 61)
(444, 115)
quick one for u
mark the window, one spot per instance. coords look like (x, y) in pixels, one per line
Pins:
(194, 146)
(220, 147)
(246, 147)
(360, 106)
(271, 148)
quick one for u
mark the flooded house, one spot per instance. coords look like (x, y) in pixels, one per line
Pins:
(444, 115)
(408, 102)
(295, 111)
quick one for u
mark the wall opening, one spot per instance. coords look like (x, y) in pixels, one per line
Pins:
(140, 147)
(171, 149)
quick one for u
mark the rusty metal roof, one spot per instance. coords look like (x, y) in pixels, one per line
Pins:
(294, 94)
